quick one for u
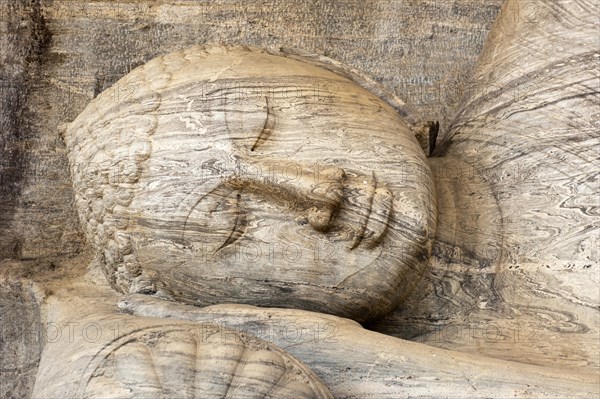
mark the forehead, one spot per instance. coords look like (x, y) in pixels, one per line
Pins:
(239, 81)
(309, 121)
(271, 115)
(197, 105)
(226, 93)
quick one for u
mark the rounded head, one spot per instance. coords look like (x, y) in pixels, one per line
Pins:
(233, 175)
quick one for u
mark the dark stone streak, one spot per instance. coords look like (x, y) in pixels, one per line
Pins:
(26, 40)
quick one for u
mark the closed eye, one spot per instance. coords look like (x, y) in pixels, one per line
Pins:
(239, 226)
(226, 208)
(268, 127)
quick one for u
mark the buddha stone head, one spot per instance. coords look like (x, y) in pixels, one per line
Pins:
(234, 175)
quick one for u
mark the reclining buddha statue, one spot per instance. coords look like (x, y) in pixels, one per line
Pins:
(250, 211)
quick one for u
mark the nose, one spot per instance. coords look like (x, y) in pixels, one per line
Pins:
(316, 190)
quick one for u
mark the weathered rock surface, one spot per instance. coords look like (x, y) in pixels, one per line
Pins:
(517, 279)
(58, 55)
(21, 343)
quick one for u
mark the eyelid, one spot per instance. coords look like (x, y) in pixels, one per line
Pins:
(224, 193)
(239, 226)
(268, 127)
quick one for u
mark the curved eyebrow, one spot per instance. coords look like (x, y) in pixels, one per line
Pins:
(268, 127)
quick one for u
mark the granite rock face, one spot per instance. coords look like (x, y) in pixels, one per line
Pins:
(56, 56)
(509, 284)
(21, 338)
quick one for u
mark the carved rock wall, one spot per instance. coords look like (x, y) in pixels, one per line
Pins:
(57, 55)
(21, 339)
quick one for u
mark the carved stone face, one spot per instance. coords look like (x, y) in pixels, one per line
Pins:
(234, 175)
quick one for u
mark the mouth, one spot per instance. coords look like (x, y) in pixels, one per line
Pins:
(375, 221)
